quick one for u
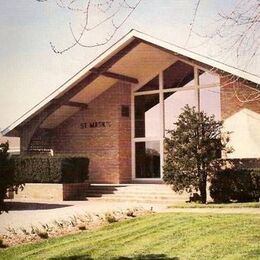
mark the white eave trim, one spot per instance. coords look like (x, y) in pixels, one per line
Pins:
(198, 57)
(115, 48)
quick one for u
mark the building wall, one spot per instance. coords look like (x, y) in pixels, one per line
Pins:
(240, 110)
(232, 95)
(125, 161)
(103, 134)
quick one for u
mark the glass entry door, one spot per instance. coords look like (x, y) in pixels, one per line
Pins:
(147, 159)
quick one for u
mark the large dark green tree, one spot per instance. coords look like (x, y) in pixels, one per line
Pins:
(190, 150)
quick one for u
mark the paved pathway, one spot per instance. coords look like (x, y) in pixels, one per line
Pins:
(35, 213)
(32, 213)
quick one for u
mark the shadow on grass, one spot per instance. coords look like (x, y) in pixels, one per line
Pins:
(138, 257)
(14, 205)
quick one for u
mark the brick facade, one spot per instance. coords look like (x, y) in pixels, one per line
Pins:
(233, 94)
(107, 144)
(103, 134)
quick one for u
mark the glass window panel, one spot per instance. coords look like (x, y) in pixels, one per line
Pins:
(206, 78)
(151, 85)
(147, 116)
(147, 161)
(210, 101)
(178, 75)
(174, 103)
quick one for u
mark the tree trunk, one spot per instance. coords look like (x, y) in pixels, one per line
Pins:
(203, 187)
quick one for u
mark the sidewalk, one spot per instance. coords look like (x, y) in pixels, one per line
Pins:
(29, 213)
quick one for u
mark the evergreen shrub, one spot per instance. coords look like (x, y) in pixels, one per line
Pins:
(54, 169)
(235, 185)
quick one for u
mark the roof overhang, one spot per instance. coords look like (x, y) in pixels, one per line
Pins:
(117, 59)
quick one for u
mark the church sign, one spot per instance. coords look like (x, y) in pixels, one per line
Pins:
(96, 124)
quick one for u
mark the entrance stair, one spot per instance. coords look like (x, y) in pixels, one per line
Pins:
(141, 193)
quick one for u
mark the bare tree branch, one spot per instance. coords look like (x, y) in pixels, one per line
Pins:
(193, 21)
(95, 14)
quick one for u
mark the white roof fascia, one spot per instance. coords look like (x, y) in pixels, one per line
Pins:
(198, 57)
(116, 47)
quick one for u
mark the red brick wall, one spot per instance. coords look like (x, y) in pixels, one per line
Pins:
(236, 96)
(125, 165)
(108, 148)
(232, 94)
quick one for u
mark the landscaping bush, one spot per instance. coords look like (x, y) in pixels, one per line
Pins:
(55, 169)
(236, 185)
(7, 180)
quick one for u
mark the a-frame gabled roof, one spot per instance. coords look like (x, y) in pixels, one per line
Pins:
(109, 64)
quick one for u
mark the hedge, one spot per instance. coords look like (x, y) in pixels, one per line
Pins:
(55, 169)
(236, 185)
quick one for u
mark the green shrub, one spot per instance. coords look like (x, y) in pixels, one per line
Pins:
(7, 180)
(55, 169)
(236, 185)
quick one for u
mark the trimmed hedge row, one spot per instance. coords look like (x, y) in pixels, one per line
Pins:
(55, 169)
(236, 185)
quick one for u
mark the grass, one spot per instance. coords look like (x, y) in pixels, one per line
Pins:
(158, 236)
(215, 205)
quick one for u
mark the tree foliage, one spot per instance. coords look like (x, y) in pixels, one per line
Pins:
(191, 148)
(6, 174)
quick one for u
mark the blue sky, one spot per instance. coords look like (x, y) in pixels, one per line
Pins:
(30, 70)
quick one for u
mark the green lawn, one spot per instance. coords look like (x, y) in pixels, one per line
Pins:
(215, 205)
(156, 236)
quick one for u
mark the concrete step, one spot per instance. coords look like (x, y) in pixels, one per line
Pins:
(147, 187)
(130, 192)
(129, 186)
(143, 196)
(137, 200)
(142, 193)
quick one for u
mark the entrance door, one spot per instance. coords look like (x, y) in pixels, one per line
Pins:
(147, 159)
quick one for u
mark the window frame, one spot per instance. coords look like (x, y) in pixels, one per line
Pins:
(161, 92)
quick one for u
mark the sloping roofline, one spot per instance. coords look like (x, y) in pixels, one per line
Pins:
(111, 51)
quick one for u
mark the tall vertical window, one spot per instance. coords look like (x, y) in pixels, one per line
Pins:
(210, 101)
(147, 115)
(157, 111)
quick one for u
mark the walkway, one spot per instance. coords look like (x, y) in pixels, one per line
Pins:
(33, 213)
